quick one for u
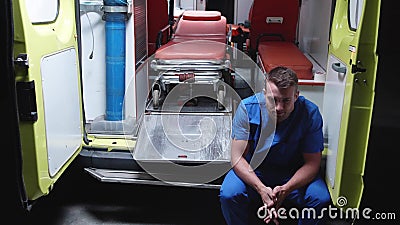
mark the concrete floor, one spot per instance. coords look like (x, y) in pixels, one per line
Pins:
(84, 200)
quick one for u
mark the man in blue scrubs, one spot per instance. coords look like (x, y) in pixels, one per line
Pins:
(285, 129)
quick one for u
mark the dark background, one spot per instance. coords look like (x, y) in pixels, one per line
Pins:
(382, 166)
(226, 7)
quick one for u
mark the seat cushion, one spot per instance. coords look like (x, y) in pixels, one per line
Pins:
(281, 53)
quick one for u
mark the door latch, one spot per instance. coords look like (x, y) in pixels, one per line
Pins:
(355, 68)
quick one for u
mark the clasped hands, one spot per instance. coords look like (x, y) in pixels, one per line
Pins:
(272, 199)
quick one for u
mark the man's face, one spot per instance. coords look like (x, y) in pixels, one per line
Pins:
(284, 100)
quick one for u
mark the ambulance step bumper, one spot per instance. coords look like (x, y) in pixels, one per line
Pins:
(137, 177)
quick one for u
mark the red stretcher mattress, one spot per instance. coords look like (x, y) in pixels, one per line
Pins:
(192, 50)
(199, 35)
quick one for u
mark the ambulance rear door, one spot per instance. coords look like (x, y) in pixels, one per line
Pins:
(349, 96)
(48, 90)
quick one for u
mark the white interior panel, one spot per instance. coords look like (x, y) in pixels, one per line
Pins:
(332, 111)
(186, 4)
(200, 4)
(314, 39)
(314, 93)
(130, 71)
(93, 69)
(141, 90)
(61, 107)
(242, 8)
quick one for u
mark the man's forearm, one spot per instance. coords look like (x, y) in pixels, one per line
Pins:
(302, 177)
(247, 174)
(306, 173)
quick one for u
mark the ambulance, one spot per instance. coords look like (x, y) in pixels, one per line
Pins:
(144, 91)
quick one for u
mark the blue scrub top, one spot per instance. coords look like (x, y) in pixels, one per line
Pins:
(284, 143)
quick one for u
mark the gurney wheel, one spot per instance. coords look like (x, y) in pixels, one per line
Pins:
(220, 99)
(156, 99)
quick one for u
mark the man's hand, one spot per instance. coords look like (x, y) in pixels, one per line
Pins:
(281, 192)
(268, 197)
(272, 201)
(270, 214)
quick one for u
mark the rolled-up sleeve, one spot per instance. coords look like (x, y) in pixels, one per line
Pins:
(240, 124)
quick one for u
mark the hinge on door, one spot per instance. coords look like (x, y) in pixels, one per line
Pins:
(27, 109)
(22, 60)
(21, 64)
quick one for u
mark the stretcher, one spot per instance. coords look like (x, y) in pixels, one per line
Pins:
(195, 55)
(188, 112)
(199, 39)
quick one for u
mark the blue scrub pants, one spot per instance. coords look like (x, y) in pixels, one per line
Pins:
(239, 202)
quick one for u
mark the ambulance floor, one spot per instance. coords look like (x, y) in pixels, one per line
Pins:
(83, 200)
(79, 199)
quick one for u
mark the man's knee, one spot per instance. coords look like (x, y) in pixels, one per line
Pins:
(325, 199)
(232, 189)
(319, 199)
(318, 194)
(231, 195)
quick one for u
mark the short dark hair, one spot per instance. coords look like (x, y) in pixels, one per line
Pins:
(282, 77)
